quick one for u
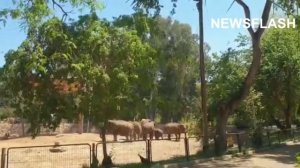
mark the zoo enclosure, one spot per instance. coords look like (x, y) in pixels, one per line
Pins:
(76, 155)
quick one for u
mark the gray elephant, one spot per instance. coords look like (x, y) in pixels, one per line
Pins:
(158, 133)
(147, 128)
(174, 128)
(137, 130)
(120, 127)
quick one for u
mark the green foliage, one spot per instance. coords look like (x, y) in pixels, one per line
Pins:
(279, 77)
(250, 112)
(100, 66)
(257, 137)
(34, 12)
(298, 159)
(193, 123)
(226, 73)
(6, 112)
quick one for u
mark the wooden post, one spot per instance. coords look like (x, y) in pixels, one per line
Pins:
(187, 147)
(3, 157)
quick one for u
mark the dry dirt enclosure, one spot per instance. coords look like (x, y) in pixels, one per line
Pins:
(75, 156)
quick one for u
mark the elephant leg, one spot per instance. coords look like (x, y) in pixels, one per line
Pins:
(151, 135)
(169, 136)
(144, 137)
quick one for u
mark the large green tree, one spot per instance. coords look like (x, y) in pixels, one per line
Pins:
(279, 78)
(87, 67)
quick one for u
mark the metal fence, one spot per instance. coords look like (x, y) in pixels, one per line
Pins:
(123, 152)
(60, 156)
(76, 155)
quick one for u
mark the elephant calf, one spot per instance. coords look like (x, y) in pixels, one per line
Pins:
(120, 127)
(147, 128)
(158, 133)
(174, 128)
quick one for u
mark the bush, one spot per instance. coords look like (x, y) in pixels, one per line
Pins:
(298, 159)
(6, 112)
(257, 137)
(193, 123)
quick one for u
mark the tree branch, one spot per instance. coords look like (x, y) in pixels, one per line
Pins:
(65, 13)
(264, 17)
(247, 15)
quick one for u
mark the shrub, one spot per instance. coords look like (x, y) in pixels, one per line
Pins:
(257, 137)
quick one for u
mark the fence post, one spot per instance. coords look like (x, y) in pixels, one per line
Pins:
(187, 147)
(239, 142)
(293, 134)
(3, 154)
(94, 153)
(148, 150)
(268, 135)
(278, 136)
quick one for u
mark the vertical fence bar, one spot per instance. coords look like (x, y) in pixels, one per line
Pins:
(278, 136)
(239, 142)
(293, 134)
(94, 153)
(147, 149)
(150, 151)
(186, 147)
(268, 135)
(3, 154)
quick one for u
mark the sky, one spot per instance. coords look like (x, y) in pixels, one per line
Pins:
(11, 35)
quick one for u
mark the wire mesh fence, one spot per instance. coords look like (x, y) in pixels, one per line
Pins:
(126, 152)
(167, 149)
(61, 156)
(123, 152)
(195, 145)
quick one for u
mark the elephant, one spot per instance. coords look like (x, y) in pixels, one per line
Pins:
(158, 133)
(137, 130)
(120, 127)
(174, 128)
(147, 128)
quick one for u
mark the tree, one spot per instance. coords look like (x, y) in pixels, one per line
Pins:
(225, 108)
(68, 68)
(279, 78)
(176, 71)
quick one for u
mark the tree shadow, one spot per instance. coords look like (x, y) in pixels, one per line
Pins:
(284, 154)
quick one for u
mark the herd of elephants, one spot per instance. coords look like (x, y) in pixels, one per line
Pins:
(134, 130)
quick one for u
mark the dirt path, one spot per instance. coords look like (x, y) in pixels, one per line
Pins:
(283, 157)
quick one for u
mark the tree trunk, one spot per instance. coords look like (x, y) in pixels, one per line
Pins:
(288, 122)
(202, 77)
(226, 109)
(221, 137)
(80, 123)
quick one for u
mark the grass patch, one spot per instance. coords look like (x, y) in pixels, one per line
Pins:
(298, 160)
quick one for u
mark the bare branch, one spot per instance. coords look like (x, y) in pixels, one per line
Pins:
(247, 15)
(264, 17)
(65, 13)
(231, 5)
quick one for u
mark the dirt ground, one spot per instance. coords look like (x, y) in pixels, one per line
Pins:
(282, 157)
(74, 156)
